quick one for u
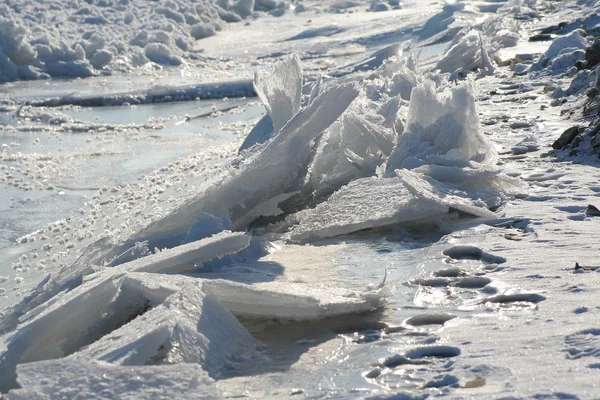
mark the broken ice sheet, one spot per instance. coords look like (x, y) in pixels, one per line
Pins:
(378, 202)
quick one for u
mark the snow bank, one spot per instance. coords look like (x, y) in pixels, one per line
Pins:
(39, 39)
(559, 48)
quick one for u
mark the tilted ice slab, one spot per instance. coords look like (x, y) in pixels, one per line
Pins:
(295, 301)
(176, 260)
(281, 91)
(269, 173)
(378, 202)
(281, 94)
(95, 318)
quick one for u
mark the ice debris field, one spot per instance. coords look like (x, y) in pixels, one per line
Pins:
(309, 199)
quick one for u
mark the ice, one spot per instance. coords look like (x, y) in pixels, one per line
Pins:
(261, 132)
(467, 52)
(281, 91)
(173, 260)
(128, 319)
(295, 301)
(352, 148)
(443, 123)
(97, 380)
(572, 41)
(106, 35)
(408, 198)
(269, 173)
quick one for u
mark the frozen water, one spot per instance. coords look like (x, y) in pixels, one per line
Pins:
(443, 123)
(281, 91)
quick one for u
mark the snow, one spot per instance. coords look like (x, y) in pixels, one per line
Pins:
(563, 44)
(46, 380)
(394, 225)
(108, 36)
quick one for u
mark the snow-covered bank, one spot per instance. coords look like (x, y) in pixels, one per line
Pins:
(80, 39)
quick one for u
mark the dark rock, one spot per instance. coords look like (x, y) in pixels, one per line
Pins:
(592, 53)
(580, 65)
(542, 37)
(592, 211)
(567, 137)
(554, 28)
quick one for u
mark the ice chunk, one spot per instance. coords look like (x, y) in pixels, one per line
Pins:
(188, 327)
(128, 319)
(187, 256)
(574, 40)
(445, 123)
(173, 260)
(485, 183)
(295, 301)
(269, 173)
(375, 202)
(351, 148)
(261, 132)
(281, 91)
(468, 52)
(96, 380)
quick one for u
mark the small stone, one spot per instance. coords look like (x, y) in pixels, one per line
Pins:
(592, 211)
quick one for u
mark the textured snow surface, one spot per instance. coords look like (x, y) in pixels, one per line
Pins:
(96, 380)
(40, 39)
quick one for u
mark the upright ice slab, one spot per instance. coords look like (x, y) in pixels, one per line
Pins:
(441, 124)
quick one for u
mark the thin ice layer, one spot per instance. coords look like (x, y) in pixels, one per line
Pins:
(295, 301)
(95, 380)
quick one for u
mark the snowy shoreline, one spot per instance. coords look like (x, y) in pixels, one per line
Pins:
(383, 231)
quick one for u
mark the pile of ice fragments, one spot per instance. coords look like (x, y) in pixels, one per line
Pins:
(366, 151)
(72, 38)
(378, 149)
